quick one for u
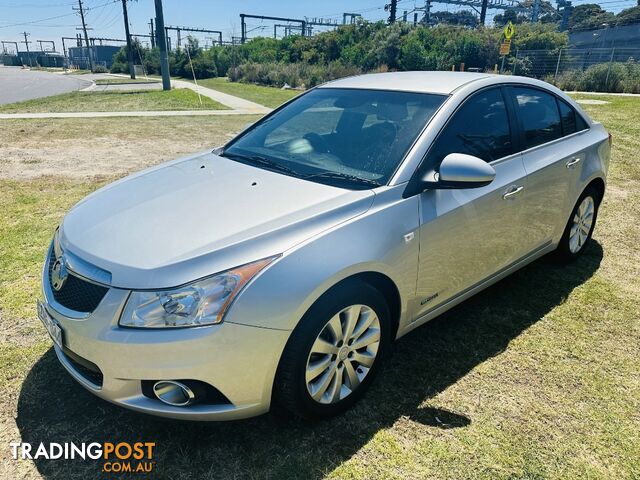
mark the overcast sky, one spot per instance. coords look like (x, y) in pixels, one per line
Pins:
(52, 19)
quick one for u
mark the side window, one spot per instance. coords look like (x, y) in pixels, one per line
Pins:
(571, 121)
(480, 128)
(568, 118)
(538, 114)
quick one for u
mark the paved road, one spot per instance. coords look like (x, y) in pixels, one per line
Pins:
(17, 84)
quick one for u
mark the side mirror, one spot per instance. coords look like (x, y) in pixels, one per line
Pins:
(458, 170)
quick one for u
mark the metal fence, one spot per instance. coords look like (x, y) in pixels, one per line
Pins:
(552, 63)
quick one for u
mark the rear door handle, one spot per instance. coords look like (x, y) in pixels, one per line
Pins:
(513, 192)
(574, 161)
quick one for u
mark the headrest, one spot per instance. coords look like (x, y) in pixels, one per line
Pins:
(394, 112)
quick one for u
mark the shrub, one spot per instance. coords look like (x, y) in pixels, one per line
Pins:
(293, 74)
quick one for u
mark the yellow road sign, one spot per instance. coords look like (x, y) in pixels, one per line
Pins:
(504, 49)
(509, 31)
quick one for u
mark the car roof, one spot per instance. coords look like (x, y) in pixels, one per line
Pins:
(424, 82)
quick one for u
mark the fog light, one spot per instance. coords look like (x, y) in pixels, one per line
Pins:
(174, 393)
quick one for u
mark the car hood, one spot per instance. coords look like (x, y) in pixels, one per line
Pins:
(193, 217)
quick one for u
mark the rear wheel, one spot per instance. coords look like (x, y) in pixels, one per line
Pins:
(334, 353)
(577, 233)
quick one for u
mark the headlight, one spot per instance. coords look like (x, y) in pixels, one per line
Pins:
(203, 302)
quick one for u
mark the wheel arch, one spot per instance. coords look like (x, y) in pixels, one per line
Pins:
(597, 184)
(385, 286)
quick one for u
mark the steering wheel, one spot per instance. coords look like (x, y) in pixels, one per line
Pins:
(318, 142)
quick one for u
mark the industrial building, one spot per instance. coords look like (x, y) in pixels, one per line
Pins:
(101, 55)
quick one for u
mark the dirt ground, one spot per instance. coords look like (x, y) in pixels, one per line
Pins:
(83, 148)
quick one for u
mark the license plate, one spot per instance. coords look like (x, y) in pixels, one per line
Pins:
(54, 329)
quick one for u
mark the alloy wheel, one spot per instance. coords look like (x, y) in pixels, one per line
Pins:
(343, 354)
(582, 223)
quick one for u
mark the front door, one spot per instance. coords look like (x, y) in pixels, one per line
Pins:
(468, 235)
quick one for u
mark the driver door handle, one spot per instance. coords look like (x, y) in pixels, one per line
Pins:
(513, 192)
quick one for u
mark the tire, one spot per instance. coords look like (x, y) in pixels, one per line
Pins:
(570, 246)
(293, 390)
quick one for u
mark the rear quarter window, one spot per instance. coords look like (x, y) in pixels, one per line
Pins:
(571, 120)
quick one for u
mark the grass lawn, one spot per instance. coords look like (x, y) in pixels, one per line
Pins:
(536, 377)
(267, 96)
(124, 81)
(116, 101)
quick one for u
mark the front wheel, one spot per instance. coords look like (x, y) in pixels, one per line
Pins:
(334, 353)
(579, 229)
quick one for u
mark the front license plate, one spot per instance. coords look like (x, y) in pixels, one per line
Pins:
(54, 329)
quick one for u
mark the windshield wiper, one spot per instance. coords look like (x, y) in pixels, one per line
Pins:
(260, 160)
(344, 176)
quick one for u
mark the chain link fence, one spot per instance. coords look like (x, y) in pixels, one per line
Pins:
(598, 69)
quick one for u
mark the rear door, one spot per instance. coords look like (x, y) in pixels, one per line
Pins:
(551, 159)
(468, 235)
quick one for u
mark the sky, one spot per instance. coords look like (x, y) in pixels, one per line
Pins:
(53, 19)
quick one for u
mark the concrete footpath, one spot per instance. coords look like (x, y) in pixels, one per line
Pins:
(231, 101)
(158, 113)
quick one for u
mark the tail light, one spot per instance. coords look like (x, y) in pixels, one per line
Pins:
(610, 140)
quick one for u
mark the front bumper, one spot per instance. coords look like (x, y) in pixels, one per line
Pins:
(240, 361)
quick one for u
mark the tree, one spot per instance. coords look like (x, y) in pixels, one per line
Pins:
(509, 15)
(628, 16)
(589, 15)
(462, 17)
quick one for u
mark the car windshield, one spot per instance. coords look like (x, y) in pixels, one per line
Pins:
(349, 138)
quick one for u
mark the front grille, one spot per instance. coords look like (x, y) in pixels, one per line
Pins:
(84, 367)
(76, 294)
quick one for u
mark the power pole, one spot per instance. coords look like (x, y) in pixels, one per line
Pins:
(132, 70)
(392, 8)
(27, 42)
(153, 34)
(86, 36)
(483, 11)
(162, 42)
(535, 11)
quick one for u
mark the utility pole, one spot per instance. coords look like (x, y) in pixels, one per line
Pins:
(153, 34)
(162, 42)
(27, 42)
(132, 70)
(483, 11)
(535, 11)
(86, 36)
(392, 8)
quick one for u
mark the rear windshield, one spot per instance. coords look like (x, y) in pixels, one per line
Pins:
(346, 137)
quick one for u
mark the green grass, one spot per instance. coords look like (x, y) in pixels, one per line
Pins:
(124, 81)
(116, 101)
(536, 377)
(267, 96)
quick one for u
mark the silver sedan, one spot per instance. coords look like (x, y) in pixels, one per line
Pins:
(280, 267)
